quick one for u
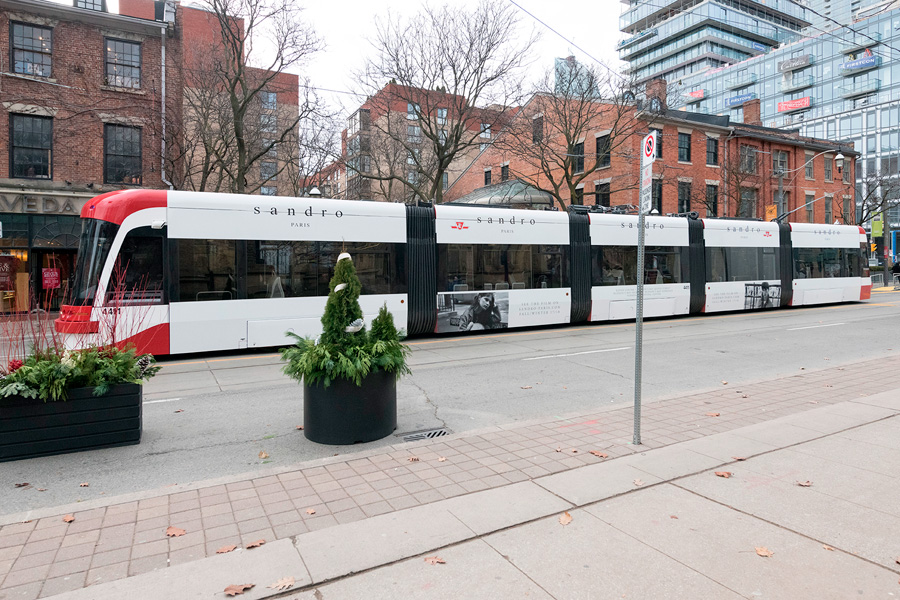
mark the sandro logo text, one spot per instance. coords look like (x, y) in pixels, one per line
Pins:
(292, 212)
(501, 221)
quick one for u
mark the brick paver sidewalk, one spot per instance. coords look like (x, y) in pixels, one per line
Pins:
(46, 556)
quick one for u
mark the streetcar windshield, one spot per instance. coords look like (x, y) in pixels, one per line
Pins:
(96, 240)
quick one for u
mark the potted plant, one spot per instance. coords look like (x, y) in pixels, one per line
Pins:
(57, 401)
(349, 375)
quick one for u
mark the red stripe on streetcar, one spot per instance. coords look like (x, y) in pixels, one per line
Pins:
(115, 206)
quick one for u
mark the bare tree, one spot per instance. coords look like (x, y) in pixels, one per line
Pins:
(452, 75)
(879, 196)
(549, 136)
(257, 41)
(318, 153)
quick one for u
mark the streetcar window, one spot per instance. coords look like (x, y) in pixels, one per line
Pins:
(93, 249)
(280, 269)
(617, 265)
(206, 270)
(137, 276)
(378, 266)
(469, 267)
(814, 263)
(741, 264)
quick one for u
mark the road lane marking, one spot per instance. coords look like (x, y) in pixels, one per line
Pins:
(577, 353)
(815, 326)
(161, 401)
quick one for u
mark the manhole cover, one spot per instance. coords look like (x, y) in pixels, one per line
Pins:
(425, 434)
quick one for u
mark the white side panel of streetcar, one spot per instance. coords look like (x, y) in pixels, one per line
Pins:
(741, 295)
(825, 290)
(228, 216)
(616, 302)
(474, 225)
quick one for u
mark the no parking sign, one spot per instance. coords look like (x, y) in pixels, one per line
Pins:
(648, 155)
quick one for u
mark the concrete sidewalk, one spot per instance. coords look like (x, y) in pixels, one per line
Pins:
(488, 504)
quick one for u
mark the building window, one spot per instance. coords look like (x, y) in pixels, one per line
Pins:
(779, 162)
(848, 219)
(268, 170)
(269, 100)
(504, 173)
(442, 116)
(414, 134)
(684, 196)
(537, 129)
(32, 49)
(601, 191)
(578, 157)
(712, 200)
(747, 208)
(485, 130)
(122, 154)
(656, 196)
(809, 168)
(828, 166)
(659, 142)
(31, 146)
(748, 159)
(268, 190)
(272, 148)
(445, 180)
(712, 151)
(684, 147)
(829, 211)
(123, 64)
(809, 208)
(579, 196)
(99, 5)
(412, 111)
(604, 158)
(848, 171)
(268, 123)
(487, 177)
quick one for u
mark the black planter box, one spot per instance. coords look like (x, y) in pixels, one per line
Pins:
(344, 413)
(31, 427)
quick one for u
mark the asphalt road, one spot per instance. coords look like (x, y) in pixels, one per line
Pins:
(212, 416)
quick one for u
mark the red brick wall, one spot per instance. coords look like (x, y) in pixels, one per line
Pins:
(82, 102)
(142, 9)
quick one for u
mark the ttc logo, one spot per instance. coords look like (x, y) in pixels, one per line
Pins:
(459, 225)
(767, 234)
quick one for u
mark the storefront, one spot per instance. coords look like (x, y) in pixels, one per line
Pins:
(38, 241)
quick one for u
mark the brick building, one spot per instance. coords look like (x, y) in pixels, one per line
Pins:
(705, 163)
(83, 113)
(392, 136)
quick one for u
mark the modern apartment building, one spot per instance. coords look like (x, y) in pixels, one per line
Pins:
(677, 38)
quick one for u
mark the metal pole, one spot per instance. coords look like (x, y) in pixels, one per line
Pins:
(781, 207)
(638, 331)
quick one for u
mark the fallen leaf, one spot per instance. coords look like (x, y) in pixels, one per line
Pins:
(435, 560)
(225, 549)
(672, 517)
(22, 484)
(179, 410)
(526, 387)
(282, 584)
(238, 588)
(299, 427)
(441, 459)
(83, 484)
(565, 518)
(558, 449)
(573, 451)
(413, 459)
(739, 458)
(725, 474)
(764, 552)
(827, 547)
(638, 482)
(42, 489)
(310, 511)
(255, 544)
(174, 531)
(724, 383)
(806, 483)
(68, 518)
(897, 560)
(744, 396)
(263, 454)
(712, 414)
(599, 454)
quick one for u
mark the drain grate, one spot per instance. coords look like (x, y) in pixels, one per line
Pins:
(425, 434)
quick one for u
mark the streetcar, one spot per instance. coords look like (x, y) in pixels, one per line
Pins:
(177, 272)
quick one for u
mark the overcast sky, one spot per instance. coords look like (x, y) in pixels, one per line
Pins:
(346, 25)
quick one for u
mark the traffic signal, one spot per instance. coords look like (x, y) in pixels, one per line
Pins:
(874, 247)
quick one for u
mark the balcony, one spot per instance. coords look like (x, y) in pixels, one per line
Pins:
(741, 81)
(861, 42)
(852, 67)
(860, 89)
(797, 83)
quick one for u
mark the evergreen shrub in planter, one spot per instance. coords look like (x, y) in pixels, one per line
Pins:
(349, 375)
